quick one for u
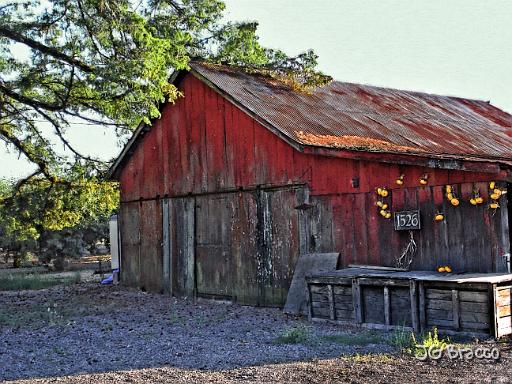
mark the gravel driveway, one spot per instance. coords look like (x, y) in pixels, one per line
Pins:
(87, 328)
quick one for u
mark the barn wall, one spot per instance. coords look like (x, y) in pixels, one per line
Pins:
(204, 150)
(469, 239)
(247, 244)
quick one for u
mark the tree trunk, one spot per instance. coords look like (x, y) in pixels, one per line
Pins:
(17, 259)
(59, 263)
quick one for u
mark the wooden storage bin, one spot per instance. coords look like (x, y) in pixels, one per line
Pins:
(470, 304)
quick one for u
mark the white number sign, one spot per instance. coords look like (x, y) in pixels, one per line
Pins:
(407, 220)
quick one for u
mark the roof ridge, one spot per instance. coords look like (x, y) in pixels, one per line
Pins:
(424, 93)
(234, 68)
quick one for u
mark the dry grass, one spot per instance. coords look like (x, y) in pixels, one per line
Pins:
(34, 281)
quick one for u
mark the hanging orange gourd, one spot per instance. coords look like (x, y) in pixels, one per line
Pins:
(494, 205)
(495, 196)
(476, 199)
(451, 196)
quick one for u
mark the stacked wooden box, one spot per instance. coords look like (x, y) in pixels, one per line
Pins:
(471, 304)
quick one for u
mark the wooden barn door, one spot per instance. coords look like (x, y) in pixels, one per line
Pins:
(278, 238)
(130, 243)
(214, 215)
(241, 246)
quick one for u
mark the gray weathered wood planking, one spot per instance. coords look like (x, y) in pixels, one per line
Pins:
(453, 305)
(412, 275)
(296, 302)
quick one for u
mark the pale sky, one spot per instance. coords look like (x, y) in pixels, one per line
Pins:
(460, 48)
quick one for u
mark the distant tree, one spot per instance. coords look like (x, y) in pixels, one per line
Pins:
(56, 221)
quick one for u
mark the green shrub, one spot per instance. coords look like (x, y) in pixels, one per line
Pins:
(406, 341)
(295, 335)
(432, 339)
(403, 339)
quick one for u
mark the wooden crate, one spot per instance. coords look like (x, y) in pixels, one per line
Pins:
(502, 304)
(456, 308)
(469, 305)
(373, 303)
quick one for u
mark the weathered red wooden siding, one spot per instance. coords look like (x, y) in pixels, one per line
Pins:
(204, 144)
(470, 239)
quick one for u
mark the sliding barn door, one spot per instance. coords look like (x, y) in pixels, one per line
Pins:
(214, 217)
(240, 246)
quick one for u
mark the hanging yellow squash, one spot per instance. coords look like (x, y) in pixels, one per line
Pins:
(495, 196)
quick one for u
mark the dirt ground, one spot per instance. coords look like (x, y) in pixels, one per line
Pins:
(87, 333)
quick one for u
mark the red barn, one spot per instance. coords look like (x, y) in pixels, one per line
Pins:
(241, 175)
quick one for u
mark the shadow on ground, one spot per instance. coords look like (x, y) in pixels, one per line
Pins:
(87, 328)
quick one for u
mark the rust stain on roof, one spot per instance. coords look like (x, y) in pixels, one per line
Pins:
(351, 142)
(354, 116)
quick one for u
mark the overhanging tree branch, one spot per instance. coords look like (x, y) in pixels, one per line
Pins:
(10, 34)
(34, 158)
(60, 134)
(29, 101)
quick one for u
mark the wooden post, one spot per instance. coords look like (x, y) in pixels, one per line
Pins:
(493, 322)
(304, 230)
(187, 247)
(166, 249)
(310, 303)
(422, 314)
(455, 306)
(414, 305)
(330, 295)
(387, 306)
(356, 298)
(503, 262)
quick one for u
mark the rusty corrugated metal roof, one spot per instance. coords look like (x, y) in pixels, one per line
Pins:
(360, 117)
